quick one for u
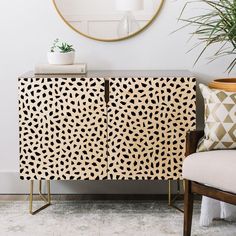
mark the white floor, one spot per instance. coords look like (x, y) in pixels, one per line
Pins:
(102, 218)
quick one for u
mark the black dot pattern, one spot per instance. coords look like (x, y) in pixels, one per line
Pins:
(63, 128)
(147, 123)
(69, 132)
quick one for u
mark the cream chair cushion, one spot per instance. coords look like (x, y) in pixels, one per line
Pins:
(213, 168)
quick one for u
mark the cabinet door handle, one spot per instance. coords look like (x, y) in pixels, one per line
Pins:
(106, 90)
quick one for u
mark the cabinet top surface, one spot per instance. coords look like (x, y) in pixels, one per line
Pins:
(114, 74)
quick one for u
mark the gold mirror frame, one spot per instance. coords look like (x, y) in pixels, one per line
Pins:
(110, 40)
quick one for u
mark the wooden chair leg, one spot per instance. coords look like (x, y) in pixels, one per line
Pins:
(188, 208)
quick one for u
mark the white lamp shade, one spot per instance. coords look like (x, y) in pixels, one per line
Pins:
(129, 5)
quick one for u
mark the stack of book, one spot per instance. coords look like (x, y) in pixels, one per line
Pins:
(61, 69)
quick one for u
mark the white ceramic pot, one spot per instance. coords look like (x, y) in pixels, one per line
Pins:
(57, 58)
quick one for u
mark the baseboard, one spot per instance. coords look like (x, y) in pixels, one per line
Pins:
(10, 183)
(92, 197)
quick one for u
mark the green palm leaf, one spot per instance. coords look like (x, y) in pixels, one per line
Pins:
(215, 26)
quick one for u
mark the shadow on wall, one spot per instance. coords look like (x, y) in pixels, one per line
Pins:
(204, 79)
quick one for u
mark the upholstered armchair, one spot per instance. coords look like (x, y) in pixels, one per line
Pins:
(211, 174)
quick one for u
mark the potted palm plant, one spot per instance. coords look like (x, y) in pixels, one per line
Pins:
(216, 26)
(61, 53)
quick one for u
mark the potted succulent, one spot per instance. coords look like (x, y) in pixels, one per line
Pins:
(61, 53)
(216, 27)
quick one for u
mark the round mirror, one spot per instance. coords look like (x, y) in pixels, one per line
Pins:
(108, 20)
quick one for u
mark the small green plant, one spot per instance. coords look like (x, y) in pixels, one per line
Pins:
(61, 47)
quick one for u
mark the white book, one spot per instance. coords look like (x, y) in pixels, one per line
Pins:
(80, 68)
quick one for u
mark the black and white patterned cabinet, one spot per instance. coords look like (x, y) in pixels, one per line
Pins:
(105, 125)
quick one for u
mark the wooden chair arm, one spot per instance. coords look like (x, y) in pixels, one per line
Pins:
(192, 139)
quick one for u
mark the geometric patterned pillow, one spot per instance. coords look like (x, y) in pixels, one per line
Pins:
(220, 120)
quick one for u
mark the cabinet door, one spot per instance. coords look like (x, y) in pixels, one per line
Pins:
(177, 99)
(62, 128)
(147, 122)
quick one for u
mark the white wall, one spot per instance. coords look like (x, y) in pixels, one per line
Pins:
(27, 27)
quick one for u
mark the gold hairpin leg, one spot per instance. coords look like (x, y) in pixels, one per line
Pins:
(47, 199)
(171, 202)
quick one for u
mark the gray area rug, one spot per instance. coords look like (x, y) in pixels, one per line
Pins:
(103, 218)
